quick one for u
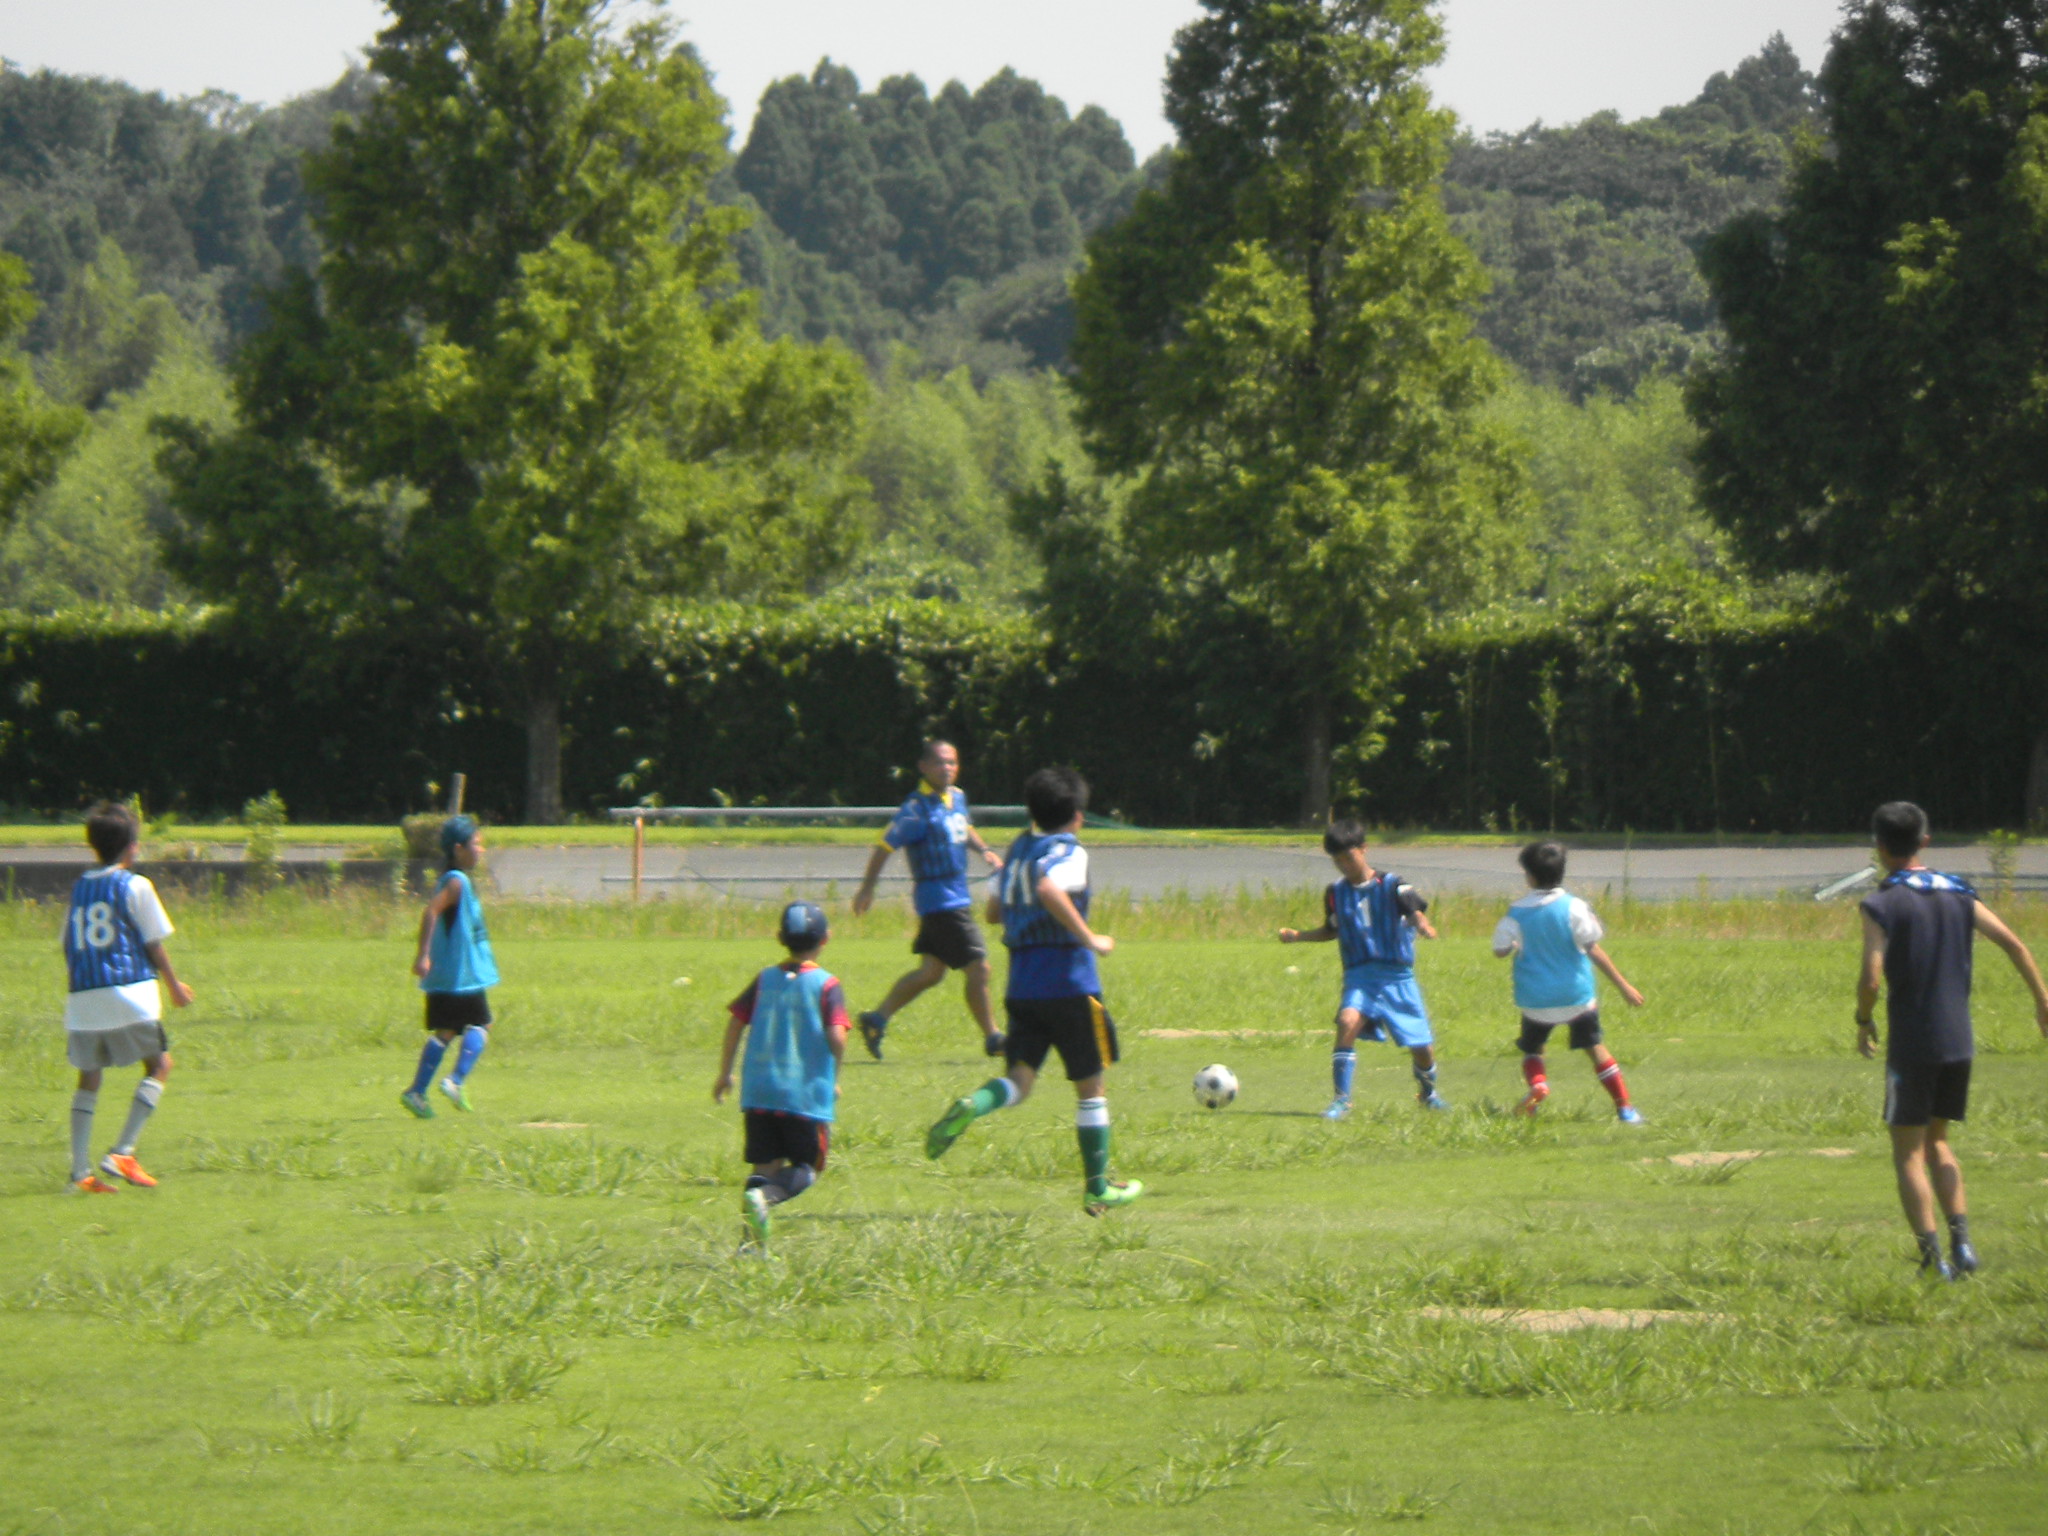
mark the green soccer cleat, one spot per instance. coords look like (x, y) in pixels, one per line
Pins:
(948, 1128)
(417, 1103)
(458, 1093)
(754, 1208)
(1119, 1193)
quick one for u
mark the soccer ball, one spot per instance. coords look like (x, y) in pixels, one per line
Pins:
(1215, 1086)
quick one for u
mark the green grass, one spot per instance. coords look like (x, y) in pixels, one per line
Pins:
(334, 1318)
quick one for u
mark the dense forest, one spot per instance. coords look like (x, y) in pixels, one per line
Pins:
(934, 233)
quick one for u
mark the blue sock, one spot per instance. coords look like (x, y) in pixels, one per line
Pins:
(474, 1039)
(1425, 1077)
(795, 1179)
(1343, 1066)
(430, 1063)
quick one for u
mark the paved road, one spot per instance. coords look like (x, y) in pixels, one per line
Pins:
(765, 874)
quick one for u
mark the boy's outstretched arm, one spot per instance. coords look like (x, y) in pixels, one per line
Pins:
(1068, 916)
(1321, 935)
(865, 896)
(1869, 985)
(734, 1028)
(161, 959)
(1612, 972)
(1422, 924)
(2021, 957)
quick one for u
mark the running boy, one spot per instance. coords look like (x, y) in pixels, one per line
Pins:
(1054, 1000)
(1374, 917)
(796, 1013)
(935, 832)
(1555, 941)
(1917, 931)
(114, 950)
(455, 967)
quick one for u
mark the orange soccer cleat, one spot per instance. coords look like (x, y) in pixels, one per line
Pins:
(89, 1185)
(122, 1165)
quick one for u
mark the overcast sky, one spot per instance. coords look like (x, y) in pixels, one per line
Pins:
(1510, 63)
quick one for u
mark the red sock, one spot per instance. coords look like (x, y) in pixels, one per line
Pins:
(1611, 1079)
(1532, 1073)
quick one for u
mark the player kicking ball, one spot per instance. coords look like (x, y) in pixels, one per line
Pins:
(1054, 998)
(1554, 939)
(794, 1017)
(1374, 917)
(1918, 927)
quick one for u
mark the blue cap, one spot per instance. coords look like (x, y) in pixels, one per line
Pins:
(456, 831)
(803, 925)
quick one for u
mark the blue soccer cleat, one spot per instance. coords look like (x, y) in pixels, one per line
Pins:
(1963, 1258)
(1339, 1108)
(994, 1044)
(1432, 1100)
(1630, 1115)
(872, 1027)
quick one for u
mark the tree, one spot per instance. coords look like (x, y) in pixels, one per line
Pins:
(1275, 350)
(35, 431)
(1880, 414)
(524, 401)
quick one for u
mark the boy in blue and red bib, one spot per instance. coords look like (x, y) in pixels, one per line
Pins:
(114, 951)
(1374, 917)
(456, 970)
(794, 1017)
(1555, 941)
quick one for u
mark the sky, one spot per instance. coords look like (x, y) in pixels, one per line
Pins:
(1509, 63)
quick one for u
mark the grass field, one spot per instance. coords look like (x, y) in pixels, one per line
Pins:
(334, 1318)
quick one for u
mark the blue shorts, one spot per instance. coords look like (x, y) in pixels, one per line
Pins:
(1391, 1003)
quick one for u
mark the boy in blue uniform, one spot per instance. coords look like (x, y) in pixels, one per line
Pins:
(456, 970)
(114, 952)
(794, 1017)
(1054, 999)
(935, 831)
(1555, 941)
(1374, 917)
(1918, 928)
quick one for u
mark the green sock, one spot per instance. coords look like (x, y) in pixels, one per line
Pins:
(1091, 1129)
(997, 1093)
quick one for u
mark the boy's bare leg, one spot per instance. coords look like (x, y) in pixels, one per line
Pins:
(912, 985)
(1927, 1169)
(976, 974)
(1944, 1171)
(1909, 1163)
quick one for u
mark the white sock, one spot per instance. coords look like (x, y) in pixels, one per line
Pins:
(82, 1105)
(147, 1094)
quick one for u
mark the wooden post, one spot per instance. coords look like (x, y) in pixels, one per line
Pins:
(639, 854)
(455, 793)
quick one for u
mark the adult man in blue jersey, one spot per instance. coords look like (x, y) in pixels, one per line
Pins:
(1374, 917)
(935, 831)
(1918, 928)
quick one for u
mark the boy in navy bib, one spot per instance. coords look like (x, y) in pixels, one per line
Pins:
(456, 970)
(114, 936)
(1918, 929)
(794, 1018)
(1374, 917)
(1554, 939)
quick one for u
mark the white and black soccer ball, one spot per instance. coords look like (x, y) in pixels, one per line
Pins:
(1215, 1086)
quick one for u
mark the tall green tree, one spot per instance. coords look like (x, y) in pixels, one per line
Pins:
(525, 400)
(1880, 414)
(35, 431)
(1275, 351)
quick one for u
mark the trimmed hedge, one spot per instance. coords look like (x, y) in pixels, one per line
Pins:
(1625, 717)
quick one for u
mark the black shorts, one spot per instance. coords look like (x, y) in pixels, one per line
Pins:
(1079, 1028)
(952, 937)
(458, 1010)
(1919, 1091)
(1585, 1030)
(775, 1136)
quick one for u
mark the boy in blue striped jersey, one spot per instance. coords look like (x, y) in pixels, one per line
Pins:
(1374, 917)
(1555, 941)
(456, 970)
(794, 1017)
(935, 830)
(114, 952)
(1054, 998)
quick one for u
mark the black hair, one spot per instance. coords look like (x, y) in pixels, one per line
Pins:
(111, 829)
(924, 753)
(1900, 827)
(1343, 834)
(1055, 796)
(1544, 863)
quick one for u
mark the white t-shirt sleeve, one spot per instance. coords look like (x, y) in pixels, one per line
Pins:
(1507, 936)
(1586, 929)
(148, 911)
(1069, 872)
